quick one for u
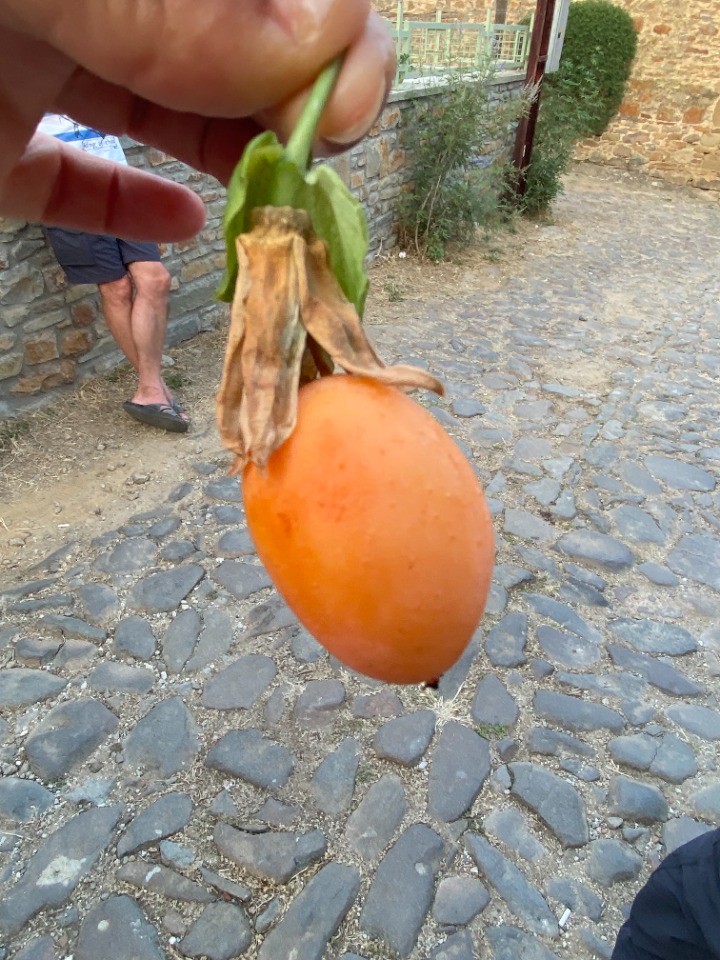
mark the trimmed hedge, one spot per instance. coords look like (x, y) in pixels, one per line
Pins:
(602, 39)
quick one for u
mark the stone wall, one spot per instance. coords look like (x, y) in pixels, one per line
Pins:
(377, 169)
(669, 124)
(462, 11)
(467, 11)
(518, 10)
(53, 336)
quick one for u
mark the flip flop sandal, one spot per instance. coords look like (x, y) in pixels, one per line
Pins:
(179, 409)
(162, 415)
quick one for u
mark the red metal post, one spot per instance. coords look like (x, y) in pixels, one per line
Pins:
(539, 46)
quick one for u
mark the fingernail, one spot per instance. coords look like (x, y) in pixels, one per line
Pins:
(300, 19)
(358, 129)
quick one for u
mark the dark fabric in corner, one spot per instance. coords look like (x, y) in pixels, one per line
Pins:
(676, 915)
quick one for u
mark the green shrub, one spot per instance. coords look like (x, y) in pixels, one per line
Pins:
(581, 97)
(601, 37)
(458, 181)
(568, 106)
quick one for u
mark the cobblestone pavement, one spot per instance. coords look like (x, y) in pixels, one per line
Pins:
(186, 773)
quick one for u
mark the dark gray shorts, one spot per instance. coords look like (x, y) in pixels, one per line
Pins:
(93, 258)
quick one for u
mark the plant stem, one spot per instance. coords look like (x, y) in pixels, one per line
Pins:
(299, 146)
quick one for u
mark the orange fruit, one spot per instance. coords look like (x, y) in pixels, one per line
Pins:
(374, 529)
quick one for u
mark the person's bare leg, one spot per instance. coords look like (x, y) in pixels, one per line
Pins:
(117, 300)
(148, 328)
(137, 320)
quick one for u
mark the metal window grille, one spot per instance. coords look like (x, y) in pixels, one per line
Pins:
(428, 48)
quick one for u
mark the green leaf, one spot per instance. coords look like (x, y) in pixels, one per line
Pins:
(262, 178)
(339, 219)
(269, 174)
(247, 189)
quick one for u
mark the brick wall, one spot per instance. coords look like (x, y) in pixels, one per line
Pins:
(52, 336)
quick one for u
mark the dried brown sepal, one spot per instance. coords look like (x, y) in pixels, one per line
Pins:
(316, 362)
(290, 321)
(332, 321)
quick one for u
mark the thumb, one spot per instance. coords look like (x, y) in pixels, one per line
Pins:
(222, 58)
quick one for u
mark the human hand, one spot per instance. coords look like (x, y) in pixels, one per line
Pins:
(194, 79)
